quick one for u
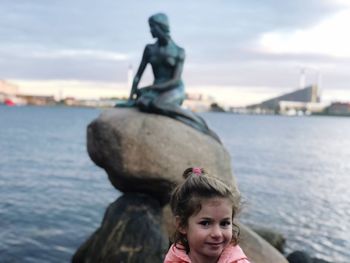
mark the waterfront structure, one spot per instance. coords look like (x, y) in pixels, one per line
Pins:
(338, 108)
(300, 101)
(8, 94)
(7, 88)
(38, 100)
(197, 102)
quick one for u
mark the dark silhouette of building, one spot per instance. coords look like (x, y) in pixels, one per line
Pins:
(306, 95)
(338, 108)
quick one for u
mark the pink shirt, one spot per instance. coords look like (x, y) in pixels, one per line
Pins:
(231, 254)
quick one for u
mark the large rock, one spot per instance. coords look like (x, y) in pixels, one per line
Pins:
(275, 239)
(257, 249)
(129, 232)
(148, 153)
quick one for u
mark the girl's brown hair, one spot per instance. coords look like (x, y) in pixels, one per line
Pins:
(186, 200)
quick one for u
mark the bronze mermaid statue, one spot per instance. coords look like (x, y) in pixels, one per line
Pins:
(167, 93)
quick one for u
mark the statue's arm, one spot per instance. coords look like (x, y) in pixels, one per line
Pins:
(141, 69)
(176, 76)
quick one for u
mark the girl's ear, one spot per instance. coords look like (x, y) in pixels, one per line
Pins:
(181, 229)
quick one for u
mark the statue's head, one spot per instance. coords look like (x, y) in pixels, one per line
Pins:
(161, 21)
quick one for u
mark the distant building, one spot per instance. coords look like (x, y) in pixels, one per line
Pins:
(304, 100)
(308, 94)
(70, 101)
(7, 88)
(198, 102)
(8, 94)
(338, 108)
(300, 108)
(37, 100)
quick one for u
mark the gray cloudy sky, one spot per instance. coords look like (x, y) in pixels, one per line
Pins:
(230, 44)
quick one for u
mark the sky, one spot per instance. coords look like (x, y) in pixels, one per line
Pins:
(238, 51)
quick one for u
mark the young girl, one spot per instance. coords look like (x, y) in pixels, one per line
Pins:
(204, 208)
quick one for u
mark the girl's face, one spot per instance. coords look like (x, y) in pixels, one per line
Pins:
(209, 231)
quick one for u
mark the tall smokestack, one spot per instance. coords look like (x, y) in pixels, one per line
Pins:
(319, 79)
(319, 84)
(302, 78)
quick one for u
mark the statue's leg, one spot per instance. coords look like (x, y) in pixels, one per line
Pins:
(175, 111)
(144, 100)
(168, 104)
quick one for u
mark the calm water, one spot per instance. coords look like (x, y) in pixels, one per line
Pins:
(293, 173)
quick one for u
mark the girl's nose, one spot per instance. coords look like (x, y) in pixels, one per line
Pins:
(216, 232)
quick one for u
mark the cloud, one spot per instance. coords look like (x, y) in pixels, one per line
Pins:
(38, 52)
(91, 41)
(47, 63)
(79, 53)
(329, 38)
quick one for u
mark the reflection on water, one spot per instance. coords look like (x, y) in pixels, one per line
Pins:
(293, 173)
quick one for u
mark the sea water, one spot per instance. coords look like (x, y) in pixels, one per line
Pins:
(293, 173)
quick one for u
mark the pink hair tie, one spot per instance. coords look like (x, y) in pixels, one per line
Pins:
(197, 171)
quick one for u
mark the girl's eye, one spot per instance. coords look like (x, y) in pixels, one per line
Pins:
(225, 223)
(204, 223)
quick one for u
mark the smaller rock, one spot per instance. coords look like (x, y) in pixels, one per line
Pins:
(129, 232)
(303, 257)
(318, 260)
(275, 239)
(299, 257)
(257, 249)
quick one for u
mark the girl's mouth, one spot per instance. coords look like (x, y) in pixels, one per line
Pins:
(215, 244)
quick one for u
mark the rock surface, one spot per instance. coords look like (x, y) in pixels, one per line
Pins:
(274, 238)
(303, 257)
(148, 153)
(129, 232)
(257, 249)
